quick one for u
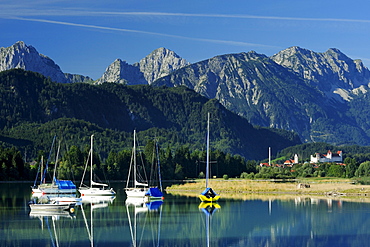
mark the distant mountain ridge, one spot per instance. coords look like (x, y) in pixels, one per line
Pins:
(159, 63)
(22, 56)
(331, 71)
(314, 94)
(278, 95)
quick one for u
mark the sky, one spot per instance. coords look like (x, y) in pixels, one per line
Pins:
(85, 37)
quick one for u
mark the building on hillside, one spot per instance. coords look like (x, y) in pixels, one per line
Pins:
(329, 157)
(291, 162)
(265, 165)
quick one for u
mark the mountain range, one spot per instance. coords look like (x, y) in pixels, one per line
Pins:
(320, 96)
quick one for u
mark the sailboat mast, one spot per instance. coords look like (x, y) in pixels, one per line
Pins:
(134, 154)
(159, 167)
(91, 161)
(42, 168)
(207, 168)
(56, 164)
(43, 177)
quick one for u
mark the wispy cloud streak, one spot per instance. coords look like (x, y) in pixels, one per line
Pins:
(74, 12)
(231, 16)
(236, 43)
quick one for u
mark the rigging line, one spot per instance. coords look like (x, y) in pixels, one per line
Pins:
(87, 226)
(133, 237)
(145, 178)
(129, 170)
(83, 175)
(37, 174)
(55, 232)
(159, 168)
(47, 161)
(159, 224)
(56, 164)
(51, 235)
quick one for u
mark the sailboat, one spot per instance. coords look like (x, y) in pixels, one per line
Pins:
(138, 189)
(155, 191)
(35, 187)
(208, 195)
(95, 189)
(57, 186)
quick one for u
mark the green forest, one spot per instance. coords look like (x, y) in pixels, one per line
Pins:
(183, 164)
(175, 165)
(34, 109)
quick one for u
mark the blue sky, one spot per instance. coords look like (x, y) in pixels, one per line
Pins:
(85, 37)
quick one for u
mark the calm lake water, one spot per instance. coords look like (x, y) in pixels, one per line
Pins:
(180, 221)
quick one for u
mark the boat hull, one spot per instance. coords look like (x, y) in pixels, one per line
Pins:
(48, 207)
(59, 187)
(63, 199)
(136, 192)
(54, 191)
(96, 192)
(204, 198)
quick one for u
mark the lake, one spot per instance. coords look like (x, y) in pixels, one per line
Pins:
(183, 221)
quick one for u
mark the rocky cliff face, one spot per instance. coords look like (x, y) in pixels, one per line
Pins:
(122, 72)
(26, 57)
(332, 71)
(274, 95)
(159, 63)
(249, 84)
(72, 78)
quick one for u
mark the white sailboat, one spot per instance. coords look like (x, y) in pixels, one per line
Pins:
(44, 204)
(208, 195)
(57, 186)
(95, 189)
(138, 189)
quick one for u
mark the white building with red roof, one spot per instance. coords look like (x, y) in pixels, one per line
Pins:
(329, 157)
(291, 162)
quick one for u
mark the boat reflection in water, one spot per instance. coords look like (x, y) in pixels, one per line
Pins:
(54, 229)
(98, 201)
(145, 220)
(95, 202)
(208, 208)
(46, 206)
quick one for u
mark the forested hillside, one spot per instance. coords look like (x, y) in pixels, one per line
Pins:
(34, 109)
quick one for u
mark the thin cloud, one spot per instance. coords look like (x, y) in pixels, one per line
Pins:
(237, 43)
(230, 16)
(73, 12)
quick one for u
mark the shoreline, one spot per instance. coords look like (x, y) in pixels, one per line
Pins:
(245, 189)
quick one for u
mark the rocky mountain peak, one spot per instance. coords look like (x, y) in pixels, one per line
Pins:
(329, 71)
(26, 57)
(122, 72)
(22, 56)
(158, 63)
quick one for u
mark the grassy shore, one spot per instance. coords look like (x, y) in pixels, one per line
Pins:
(248, 189)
